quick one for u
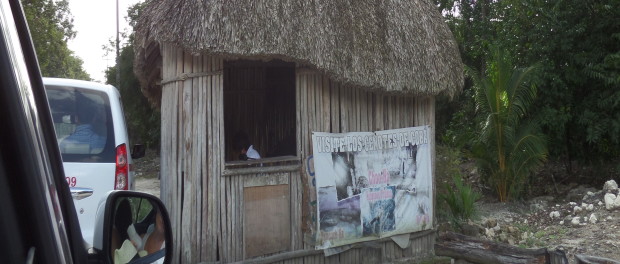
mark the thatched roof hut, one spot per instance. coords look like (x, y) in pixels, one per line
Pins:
(393, 46)
(282, 70)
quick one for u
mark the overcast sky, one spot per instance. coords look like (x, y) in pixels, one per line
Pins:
(95, 23)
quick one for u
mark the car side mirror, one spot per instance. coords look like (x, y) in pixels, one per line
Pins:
(138, 151)
(132, 227)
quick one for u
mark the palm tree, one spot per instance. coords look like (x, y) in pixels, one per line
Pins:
(509, 146)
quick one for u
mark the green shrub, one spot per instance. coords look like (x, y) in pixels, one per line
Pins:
(460, 201)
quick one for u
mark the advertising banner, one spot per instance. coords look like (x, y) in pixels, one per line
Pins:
(372, 184)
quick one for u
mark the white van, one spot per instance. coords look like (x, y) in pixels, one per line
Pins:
(92, 136)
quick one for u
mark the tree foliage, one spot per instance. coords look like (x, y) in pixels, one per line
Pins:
(143, 122)
(577, 47)
(51, 26)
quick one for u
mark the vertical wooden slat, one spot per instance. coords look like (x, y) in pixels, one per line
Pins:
(219, 91)
(317, 103)
(431, 108)
(311, 110)
(224, 208)
(295, 205)
(326, 104)
(378, 110)
(351, 109)
(301, 95)
(334, 108)
(197, 131)
(358, 109)
(178, 192)
(363, 106)
(344, 110)
(207, 249)
(185, 157)
(239, 205)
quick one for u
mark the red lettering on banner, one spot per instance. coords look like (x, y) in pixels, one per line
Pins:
(379, 178)
(380, 195)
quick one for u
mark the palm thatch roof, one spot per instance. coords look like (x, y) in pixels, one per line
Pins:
(389, 45)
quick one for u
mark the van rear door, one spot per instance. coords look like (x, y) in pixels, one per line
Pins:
(85, 132)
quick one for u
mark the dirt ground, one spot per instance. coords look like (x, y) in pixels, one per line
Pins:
(532, 225)
(147, 173)
(557, 214)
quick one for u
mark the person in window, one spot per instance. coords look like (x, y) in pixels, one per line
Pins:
(84, 140)
(246, 150)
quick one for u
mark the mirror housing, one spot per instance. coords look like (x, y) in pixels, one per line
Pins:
(138, 151)
(132, 226)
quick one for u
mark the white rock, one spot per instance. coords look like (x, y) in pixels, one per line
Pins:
(583, 205)
(593, 219)
(554, 214)
(575, 221)
(609, 201)
(590, 207)
(572, 203)
(497, 228)
(590, 194)
(489, 232)
(600, 203)
(610, 185)
(609, 218)
(617, 202)
(577, 209)
(562, 222)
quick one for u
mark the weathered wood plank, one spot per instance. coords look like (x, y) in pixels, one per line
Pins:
(344, 110)
(296, 200)
(219, 119)
(378, 110)
(318, 103)
(223, 211)
(186, 166)
(326, 118)
(205, 225)
(484, 251)
(334, 107)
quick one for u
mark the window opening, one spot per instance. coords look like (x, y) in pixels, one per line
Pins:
(259, 101)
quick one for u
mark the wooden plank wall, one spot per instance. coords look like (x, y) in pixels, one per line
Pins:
(191, 129)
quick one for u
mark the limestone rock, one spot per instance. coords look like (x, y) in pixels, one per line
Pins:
(577, 210)
(491, 222)
(489, 232)
(593, 219)
(609, 201)
(610, 185)
(554, 214)
(575, 221)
